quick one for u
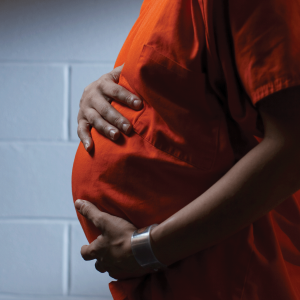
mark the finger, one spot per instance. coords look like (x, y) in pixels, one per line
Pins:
(91, 212)
(112, 116)
(116, 73)
(84, 133)
(94, 250)
(117, 92)
(87, 254)
(101, 125)
(99, 267)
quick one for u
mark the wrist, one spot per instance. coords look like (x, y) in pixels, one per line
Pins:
(158, 249)
(142, 249)
(169, 241)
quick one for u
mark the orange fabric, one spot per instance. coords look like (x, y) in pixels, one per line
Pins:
(200, 68)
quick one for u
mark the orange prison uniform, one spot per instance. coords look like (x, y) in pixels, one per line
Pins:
(200, 67)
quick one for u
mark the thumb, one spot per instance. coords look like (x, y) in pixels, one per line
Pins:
(115, 73)
(91, 212)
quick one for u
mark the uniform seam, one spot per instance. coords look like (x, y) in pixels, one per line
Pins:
(201, 169)
(165, 57)
(169, 154)
(138, 120)
(274, 86)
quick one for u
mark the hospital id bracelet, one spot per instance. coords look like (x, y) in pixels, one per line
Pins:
(142, 251)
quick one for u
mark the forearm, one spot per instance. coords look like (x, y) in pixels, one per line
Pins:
(261, 180)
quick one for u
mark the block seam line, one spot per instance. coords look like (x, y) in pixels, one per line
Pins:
(66, 104)
(66, 261)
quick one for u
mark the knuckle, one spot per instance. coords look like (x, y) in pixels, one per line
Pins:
(85, 209)
(97, 222)
(128, 99)
(84, 100)
(101, 128)
(115, 91)
(108, 99)
(90, 118)
(81, 102)
(100, 83)
(88, 88)
(93, 253)
(105, 110)
(79, 117)
(82, 130)
(79, 131)
(85, 91)
(81, 120)
(118, 121)
(115, 76)
(99, 239)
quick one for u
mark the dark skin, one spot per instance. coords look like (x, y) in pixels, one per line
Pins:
(256, 184)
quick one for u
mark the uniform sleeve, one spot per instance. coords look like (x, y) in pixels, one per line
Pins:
(266, 38)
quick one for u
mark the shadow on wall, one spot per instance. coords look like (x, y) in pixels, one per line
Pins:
(50, 50)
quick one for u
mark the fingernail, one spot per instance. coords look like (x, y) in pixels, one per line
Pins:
(137, 103)
(78, 204)
(86, 145)
(125, 127)
(112, 134)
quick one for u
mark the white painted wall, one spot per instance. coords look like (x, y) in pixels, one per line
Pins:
(49, 51)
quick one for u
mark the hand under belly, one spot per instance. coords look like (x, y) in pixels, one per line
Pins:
(134, 180)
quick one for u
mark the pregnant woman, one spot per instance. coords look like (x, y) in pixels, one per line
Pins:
(202, 138)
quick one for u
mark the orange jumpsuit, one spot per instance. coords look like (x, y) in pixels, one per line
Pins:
(200, 67)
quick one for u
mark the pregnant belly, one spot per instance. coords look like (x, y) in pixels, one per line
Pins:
(134, 180)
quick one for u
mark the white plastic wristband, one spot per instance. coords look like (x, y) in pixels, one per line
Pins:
(142, 251)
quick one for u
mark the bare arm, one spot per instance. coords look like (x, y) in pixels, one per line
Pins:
(260, 181)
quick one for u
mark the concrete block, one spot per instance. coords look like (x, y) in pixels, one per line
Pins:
(85, 279)
(31, 257)
(65, 30)
(82, 76)
(31, 101)
(35, 179)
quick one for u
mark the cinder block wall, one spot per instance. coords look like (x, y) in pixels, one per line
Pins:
(49, 51)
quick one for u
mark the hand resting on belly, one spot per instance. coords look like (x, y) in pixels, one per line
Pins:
(96, 111)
